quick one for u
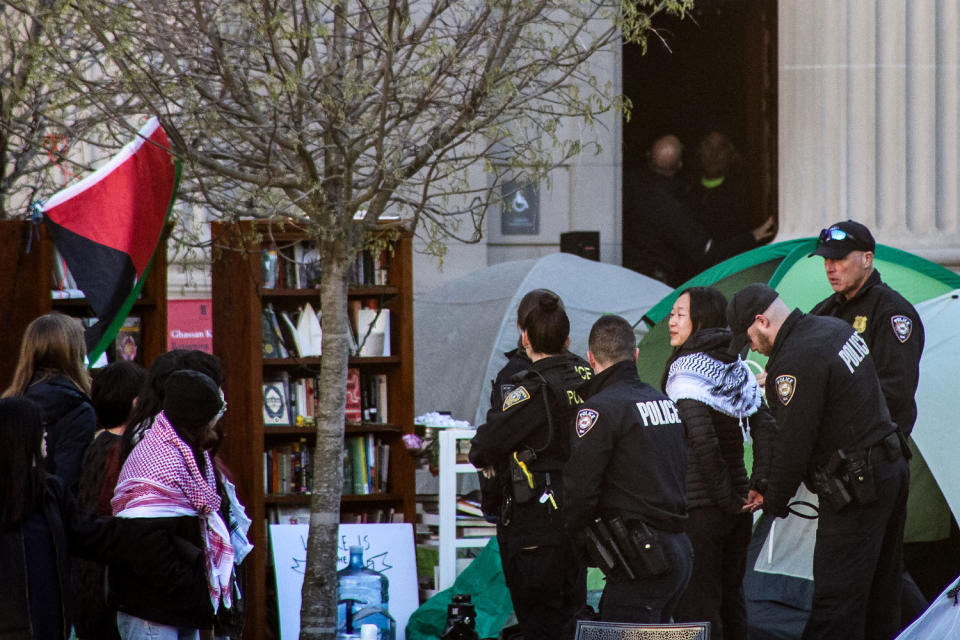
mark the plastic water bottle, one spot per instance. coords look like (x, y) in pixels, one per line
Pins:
(362, 598)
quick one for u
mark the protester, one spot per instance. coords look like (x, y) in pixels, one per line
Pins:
(627, 465)
(41, 526)
(719, 400)
(168, 483)
(835, 433)
(51, 372)
(529, 436)
(114, 390)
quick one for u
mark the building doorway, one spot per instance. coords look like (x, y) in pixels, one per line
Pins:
(719, 73)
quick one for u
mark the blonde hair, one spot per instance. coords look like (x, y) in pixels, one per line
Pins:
(52, 344)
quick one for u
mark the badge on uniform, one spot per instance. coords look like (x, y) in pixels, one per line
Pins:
(518, 395)
(860, 324)
(786, 385)
(586, 418)
(902, 327)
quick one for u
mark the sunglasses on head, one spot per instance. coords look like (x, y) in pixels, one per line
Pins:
(834, 233)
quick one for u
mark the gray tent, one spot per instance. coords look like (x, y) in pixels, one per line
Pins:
(463, 328)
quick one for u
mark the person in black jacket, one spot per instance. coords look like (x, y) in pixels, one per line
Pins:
(527, 440)
(719, 399)
(168, 484)
(50, 371)
(889, 324)
(661, 236)
(41, 526)
(835, 433)
(628, 459)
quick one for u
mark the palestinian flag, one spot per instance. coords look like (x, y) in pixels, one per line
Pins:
(108, 226)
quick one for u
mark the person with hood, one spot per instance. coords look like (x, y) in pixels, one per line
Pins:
(718, 399)
(528, 438)
(51, 372)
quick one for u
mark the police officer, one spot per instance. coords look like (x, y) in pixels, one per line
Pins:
(628, 461)
(837, 435)
(885, 320)
(524, 446)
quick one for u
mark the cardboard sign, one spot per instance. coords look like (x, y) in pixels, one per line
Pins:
(387, 548)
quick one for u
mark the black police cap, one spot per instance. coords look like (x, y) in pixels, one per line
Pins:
(839, 239)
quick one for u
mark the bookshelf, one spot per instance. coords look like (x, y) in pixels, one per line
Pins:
(26, 281)
(240, 295)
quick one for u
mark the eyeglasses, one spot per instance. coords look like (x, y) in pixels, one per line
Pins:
(834, 233)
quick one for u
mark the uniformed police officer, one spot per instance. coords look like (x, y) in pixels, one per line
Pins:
(837, 435)
(889, 324)
(524, 446)
(628, 459)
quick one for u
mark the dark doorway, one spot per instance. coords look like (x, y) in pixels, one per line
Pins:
(716, 69)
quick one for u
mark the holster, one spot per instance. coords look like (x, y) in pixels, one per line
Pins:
(831, 491)
(858, 476)
(522, 480)
(634, 551)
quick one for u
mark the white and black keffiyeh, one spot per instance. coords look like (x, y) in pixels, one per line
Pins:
(730, 388)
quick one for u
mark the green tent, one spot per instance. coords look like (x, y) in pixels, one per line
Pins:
(802, 283)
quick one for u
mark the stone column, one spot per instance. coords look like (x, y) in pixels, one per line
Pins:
(868, 113)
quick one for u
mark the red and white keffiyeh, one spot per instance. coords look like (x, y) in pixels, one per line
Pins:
(161, 479)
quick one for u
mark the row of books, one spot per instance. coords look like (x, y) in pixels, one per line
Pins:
(300, 335)
(367, 397)
(366, 465)
(287, 469)
(300, 266)
(294, 402)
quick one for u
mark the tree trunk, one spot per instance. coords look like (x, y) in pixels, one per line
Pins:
(318, 611)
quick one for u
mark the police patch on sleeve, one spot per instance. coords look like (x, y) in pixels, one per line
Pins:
(786, 385)
(902, 327)
(518, 395)
(586, 418)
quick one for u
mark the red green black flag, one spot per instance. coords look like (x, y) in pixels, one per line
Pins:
(108, 226)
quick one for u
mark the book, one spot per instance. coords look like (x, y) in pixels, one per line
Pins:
(309, 332)
(373, 332)
(382, 395)
(358, 463)
(128, 340)
(276, 410)
(354, 408)
(289, 336)
(310, 267)
(270, 267)
(272, 345)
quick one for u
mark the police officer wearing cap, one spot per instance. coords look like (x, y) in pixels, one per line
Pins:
(889, 324)
(837, 436)
(522, 449)
(628, 459)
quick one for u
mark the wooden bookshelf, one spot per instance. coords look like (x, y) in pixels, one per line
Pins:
(26, 282)
(238, 300)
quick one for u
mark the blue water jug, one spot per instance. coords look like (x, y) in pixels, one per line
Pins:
(362, 597)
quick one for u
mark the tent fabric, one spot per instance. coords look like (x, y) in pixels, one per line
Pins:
(482, 579)
(940, 620)
(463, 328)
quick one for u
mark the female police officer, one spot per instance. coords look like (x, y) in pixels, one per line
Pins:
(524, 445)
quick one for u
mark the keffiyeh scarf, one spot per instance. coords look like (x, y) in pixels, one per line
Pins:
(729, 388)
(161, 479)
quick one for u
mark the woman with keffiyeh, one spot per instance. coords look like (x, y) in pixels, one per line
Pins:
(168, 483)
(720, 403)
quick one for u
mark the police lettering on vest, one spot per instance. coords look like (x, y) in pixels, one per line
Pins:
(853, 352)
(657, 412)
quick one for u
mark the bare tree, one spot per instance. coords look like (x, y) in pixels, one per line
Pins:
(340, 113)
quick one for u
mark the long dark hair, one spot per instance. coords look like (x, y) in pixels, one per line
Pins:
(21, 460)
(708, 310)
(546, 324)
(150, 400)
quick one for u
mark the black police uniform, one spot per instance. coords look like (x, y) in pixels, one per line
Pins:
(892, 329)
(628, 458)
(823, 390)
(547, 584)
